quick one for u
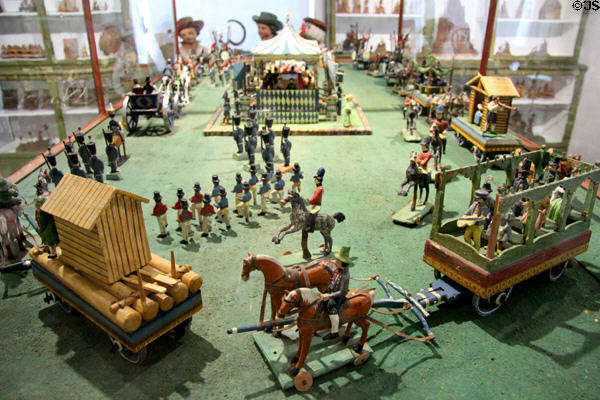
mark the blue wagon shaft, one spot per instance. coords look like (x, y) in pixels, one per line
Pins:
(259, 327)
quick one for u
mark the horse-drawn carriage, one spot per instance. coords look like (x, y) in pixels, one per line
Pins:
(151, 104)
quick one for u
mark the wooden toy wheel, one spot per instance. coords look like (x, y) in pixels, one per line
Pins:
(364, 356)
(557, 271)
(134, 358)
(303, 381)
(486, 307)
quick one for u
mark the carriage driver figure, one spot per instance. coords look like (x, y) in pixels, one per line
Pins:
(335, 295)
(315, 200)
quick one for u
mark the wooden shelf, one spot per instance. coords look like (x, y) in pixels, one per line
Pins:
(27, 113)
(394, 16)
(534, 28)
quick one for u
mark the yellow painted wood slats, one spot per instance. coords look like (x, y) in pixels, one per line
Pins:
(102, 232)
(84, 261)
(77, 210)
(115, 246)
(76, 264)
(133, 250)
(123, 232)
(87, 247)
(72, 230)
(147, 255)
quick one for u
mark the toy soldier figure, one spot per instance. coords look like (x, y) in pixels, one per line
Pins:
(238, 189)
(335, 294)
(223, 205)
(236, 105)
(211, 74)
(148, 87)
(196, 201)
(238, 134)
(206, 213)
(83, 150)
(551, 173)
(477, 216)
(160, 212)
(117, 135)
(168, 72)
(264, 191)
(112, 153)
(253, 181)
(46, 227)
(339, 100)
(177, 205)
(424, 156)
(266, 148)
(269, 170)
(278, 186)
(250, 143)
(522, 181)
(185, 218)
(55, 174)
(296, 178)
(253, 123)
(216, 192)
(75, 166)
(270, 132)
(96, 163)
(286, 145)
(315, 200)
(246, 201)
(226, 110)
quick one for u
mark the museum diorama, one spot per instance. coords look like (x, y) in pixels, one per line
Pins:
(410, 193)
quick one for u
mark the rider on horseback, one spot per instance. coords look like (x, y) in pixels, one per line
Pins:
(315, 200)
(335, 295)
(424, 156)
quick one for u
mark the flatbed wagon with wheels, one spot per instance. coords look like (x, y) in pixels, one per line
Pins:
(151, 105)
(527, 233)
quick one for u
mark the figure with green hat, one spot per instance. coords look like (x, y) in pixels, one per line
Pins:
(268, 25)
(476, 218)
(335, 295)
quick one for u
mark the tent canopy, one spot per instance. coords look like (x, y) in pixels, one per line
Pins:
(287, 45)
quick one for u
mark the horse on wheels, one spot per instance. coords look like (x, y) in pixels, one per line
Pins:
(415, 178)
(312, 317)
(300, 220)
(10, 229)
(317, 274)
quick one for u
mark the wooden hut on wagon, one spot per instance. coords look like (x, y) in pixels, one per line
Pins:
(482, 90)
(101, 228)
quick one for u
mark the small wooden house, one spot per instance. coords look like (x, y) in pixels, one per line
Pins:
(101, 228)
(482, 89)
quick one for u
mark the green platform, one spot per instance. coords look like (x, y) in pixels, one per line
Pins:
(324, 356)
(406, 216)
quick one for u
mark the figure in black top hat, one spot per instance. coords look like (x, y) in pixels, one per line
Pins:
(83, 151)
(250, 143)
(112, 153)
(286, 145)
(238, 134)
(55, 174)
(96, 163)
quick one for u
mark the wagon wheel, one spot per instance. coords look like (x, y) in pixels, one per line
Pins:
(128, 355)
(180, 330)
(479, 155)
(364, 356)
(131, 118)
(437, 274)
(460, 139)
(485, 307)
(557, 271)
(303, 381)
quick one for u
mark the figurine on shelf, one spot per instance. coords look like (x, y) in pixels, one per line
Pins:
(366, 7)
(206, 213)
(504, 50)
(475, 219)
(245, 199)
(55, 174)
(223, 208)
(336, 292)
(95, 162)
(96, 6)
(67, 6)
(253, 181)
(250, 143)
(160, 212)
(27, 6)
(196, 201)
(286, 145)
(278, 187)
(177, 206)
(268, 25)
(380, 9)
(264, 191)
(83, 151)
(216, 192)
(347, 112)
(238, 134)
(550, 10)
(113, 155)
(356, 7)
(238, 189)
(46, 227)
(184, 219)
(296, 178)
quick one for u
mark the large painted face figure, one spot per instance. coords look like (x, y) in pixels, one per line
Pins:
(188, 35)
(265, 31)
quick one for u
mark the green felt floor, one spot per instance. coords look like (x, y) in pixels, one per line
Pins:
(544, 344)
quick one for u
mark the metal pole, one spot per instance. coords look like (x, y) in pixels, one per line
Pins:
(489, 30)
(175, 25)
(89, 27)
(400, 20)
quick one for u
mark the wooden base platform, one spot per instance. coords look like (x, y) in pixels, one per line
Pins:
(411, 138)
(472, 133)
(296, 258)
(407, 217)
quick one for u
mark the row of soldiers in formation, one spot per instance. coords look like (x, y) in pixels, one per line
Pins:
(200, 206)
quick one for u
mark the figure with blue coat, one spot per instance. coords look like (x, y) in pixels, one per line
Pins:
(245, 199)
(264, 191)
(286, 145)
(223, 208)
(250, 143)
(237, 189)
(278, 186)
(296, 178)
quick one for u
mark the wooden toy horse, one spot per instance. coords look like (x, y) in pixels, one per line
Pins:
(436, 145)
(10, 230)
(312, 317)
(415, 178)
(299, 220)
(278, 278)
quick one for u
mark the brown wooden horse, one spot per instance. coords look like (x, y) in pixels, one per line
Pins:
(317, 274)
(313, 317)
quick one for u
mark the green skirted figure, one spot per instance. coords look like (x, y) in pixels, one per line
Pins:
(347, 112)
(555, 205)
(46, 226)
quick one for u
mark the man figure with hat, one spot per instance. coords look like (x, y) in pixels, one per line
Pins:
(160, 212)
(238, 189)
(268, 25)
(206, 212)
(551, 173)
(95, 162)
(315, 200)
(286, 145)
(522, 181)
(335, 295)
(55, 174)
(177, 205)
(188, 30)
(196, 201)
(250, 142)
(223, 205)
(296, 178)
(264, 191)
(185, 218)
(46, 226)
(246, 201)
(478, 114)
(424, 156)
(253, 181)
(477, 216)
(238, 134)
(216, 192)
(278, 186)
(314, 29)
